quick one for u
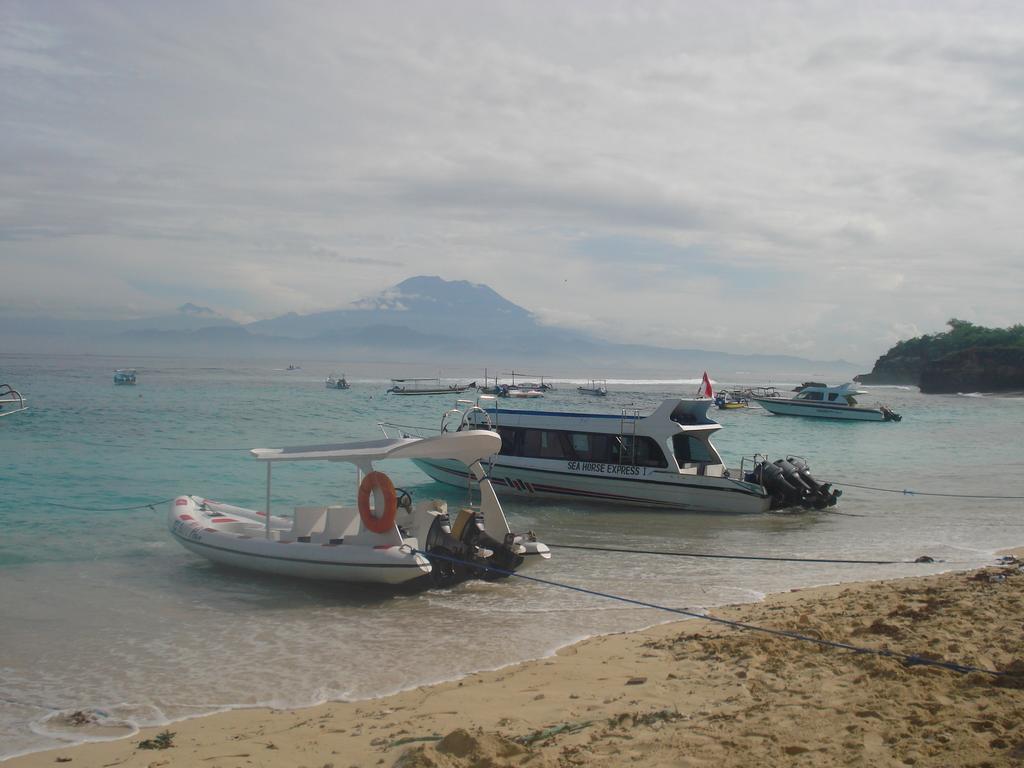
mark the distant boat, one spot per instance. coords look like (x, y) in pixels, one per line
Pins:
(594, 387)
(294, 368)
(335, 382)
(824, 402)
(731, 399)
(427, 387)
(542, 386)
(125, 376)
(11, 401)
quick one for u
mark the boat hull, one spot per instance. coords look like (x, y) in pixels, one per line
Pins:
(782, 407)
(647, 488)
(232, 536)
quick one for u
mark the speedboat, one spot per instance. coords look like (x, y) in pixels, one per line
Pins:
(824, 402)
(336, 382)
(426, 387)
(11, 401)
(389, 541)
(594, 387)
(664, 460)
(125, 376)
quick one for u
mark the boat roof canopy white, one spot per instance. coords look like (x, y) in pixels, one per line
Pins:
(466, 447)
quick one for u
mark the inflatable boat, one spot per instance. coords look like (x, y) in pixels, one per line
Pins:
(385, 538)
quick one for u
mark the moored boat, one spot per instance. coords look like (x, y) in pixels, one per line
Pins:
(664, 459)
(427, 387)
(391, 541)
(594, 387)
(125, 376)
(11, 401)
(819, 400)
(336, 382)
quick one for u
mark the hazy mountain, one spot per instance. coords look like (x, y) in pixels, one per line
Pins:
(428, 304)
(422, 320)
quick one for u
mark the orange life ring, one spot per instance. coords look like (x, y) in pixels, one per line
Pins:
(386, 520)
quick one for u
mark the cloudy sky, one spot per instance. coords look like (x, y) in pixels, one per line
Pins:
(812, 178)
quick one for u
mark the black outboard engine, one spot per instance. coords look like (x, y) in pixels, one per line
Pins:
(790, 483)
(461, 553)
(821, 494)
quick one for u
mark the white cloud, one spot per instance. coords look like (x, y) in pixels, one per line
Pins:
(852, 171)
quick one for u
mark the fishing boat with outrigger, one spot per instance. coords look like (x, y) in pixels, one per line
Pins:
(392, 540)
(11, 401)
(821, 401)
(664, 459)
(336, 382)
(427, 387)
(594, 387)
(125, 376)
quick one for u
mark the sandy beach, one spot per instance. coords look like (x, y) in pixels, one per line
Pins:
(690, 693)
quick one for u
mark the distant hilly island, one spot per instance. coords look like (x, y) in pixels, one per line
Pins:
(423, 320)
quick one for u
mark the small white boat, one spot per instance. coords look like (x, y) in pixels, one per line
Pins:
(664, 459)
(427, 387)
(336, 382)
(393, 541)
(594, 387)
(522, 393)
(824, 402)
(125, 376)
(11, 401)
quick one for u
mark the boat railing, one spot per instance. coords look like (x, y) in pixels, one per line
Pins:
(11, 396)
(754, 461)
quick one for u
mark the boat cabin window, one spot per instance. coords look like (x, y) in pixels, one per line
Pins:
(809, 396)
(581, 446)
(689, 449)
(831, 397)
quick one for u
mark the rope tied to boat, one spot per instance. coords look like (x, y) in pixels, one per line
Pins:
(773, 558)
(908, 659)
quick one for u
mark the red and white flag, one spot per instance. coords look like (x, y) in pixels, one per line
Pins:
(705, 387)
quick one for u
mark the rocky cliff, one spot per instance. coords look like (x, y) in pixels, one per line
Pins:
(991, 369)
(966, 358)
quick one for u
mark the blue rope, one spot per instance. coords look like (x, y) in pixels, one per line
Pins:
(908, 492)
(906, 658)
(742, 557)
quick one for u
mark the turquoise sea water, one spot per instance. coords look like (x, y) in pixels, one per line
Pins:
(102, 611)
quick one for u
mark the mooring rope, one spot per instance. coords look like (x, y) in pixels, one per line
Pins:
(151, 505)
(909, 659)
(908, 492)
(923, 559)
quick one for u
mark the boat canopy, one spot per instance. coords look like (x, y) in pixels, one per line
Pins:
(466, 447)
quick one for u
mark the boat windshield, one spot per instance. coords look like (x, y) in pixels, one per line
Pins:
(689, 449)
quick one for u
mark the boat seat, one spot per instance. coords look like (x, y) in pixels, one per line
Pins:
(340, 522)
(307, 521)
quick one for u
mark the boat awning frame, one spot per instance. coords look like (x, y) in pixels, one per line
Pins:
(466, 447)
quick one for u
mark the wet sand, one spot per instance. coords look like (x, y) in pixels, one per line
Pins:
(692, 693)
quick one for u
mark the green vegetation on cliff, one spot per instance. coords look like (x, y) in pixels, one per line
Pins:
(908, 360)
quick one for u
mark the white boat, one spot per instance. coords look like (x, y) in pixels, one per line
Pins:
(522, 393)
(125, 376)
(394, 541)
(427, 387)
(336, 382)
(11, 401)
(824, 402)
(594, 387)
(665, 459)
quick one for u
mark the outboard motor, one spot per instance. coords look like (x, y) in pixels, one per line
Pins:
(790, 483)
(470, 544)
(889, 414)
(822, 494)
(783, 493)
